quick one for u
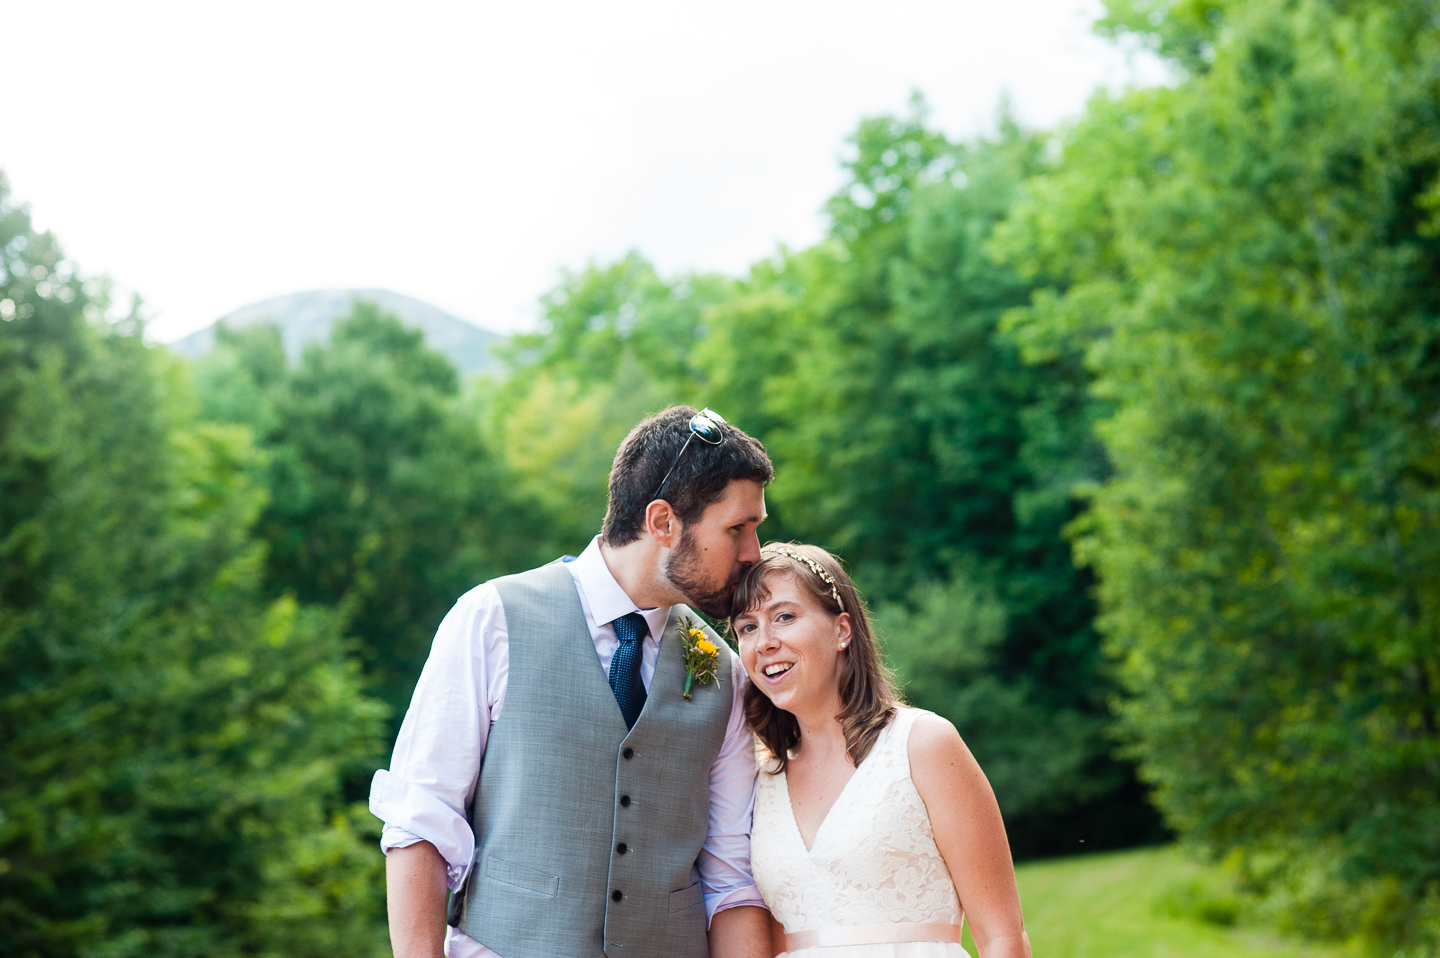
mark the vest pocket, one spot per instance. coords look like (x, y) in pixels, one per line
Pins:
(508, 873)
(686, 898)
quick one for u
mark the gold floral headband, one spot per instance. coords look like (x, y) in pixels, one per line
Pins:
(814, 567)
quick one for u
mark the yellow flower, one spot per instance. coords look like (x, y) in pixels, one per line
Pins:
(706, 646)
(697, 634)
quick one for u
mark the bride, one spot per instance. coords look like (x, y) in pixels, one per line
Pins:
(875, 831)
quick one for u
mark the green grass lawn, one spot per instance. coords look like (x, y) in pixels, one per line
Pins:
(1140, 904)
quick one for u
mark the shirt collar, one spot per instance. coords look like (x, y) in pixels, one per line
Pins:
(603, 594)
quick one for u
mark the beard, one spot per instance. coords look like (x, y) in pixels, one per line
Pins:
(685, 573)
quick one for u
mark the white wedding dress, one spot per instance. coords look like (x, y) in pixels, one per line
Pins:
(874, 863)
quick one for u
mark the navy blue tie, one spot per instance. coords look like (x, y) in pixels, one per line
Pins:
(625, 666)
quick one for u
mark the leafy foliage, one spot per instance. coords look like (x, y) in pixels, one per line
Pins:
(1247, 263)
(385, 502)
(173, 743)
(617, 343)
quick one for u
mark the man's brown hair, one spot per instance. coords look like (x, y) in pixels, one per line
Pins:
(699, 478)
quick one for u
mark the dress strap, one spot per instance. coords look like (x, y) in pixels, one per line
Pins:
(898, 734)
(904, 719)
(884, 934)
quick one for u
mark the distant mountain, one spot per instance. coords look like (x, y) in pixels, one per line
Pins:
(306, 317)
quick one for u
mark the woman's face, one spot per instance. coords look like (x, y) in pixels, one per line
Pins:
(792, 648)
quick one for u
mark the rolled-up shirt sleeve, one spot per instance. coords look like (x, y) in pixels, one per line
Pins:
(425, 793)
(725, 857)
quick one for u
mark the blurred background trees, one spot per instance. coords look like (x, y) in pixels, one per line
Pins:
(385, 502)
(1128, 430)
(1247, 264)
(174, 741)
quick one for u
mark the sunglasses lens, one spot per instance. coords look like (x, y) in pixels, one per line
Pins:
(706, 424)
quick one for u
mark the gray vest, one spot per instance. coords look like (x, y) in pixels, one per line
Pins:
(587, 837)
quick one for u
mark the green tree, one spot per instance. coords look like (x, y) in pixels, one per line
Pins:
(173, 744)
(386, 503)
(1248, 263)
(616, 343)
(945, 644)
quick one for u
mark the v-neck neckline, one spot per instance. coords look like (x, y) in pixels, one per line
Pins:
(844, 790)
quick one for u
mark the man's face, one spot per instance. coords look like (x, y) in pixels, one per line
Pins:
(713, 550)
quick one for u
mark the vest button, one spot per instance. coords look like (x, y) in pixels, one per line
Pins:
(628, 753)
(616, 895)
(621, 848)
(624, 801)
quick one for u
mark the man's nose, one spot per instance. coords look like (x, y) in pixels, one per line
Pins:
(750, 550)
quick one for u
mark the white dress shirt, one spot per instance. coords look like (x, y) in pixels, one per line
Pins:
(436, 765)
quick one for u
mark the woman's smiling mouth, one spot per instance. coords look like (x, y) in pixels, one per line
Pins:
(775, 670)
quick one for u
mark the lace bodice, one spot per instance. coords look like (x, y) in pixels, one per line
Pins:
(874, 859)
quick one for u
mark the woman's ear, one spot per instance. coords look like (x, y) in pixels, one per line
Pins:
(842, 629)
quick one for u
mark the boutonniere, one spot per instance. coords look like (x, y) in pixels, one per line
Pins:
(701, 655)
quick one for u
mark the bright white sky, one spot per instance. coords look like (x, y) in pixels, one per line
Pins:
(208, 155)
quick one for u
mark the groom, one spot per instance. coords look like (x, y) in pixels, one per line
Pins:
(550, 771)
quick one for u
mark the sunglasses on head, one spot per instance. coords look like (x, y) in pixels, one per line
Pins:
(706, 424)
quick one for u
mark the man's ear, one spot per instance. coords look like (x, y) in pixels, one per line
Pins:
(661, 524)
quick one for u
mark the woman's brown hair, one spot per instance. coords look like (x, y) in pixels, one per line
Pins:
(867, 692)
